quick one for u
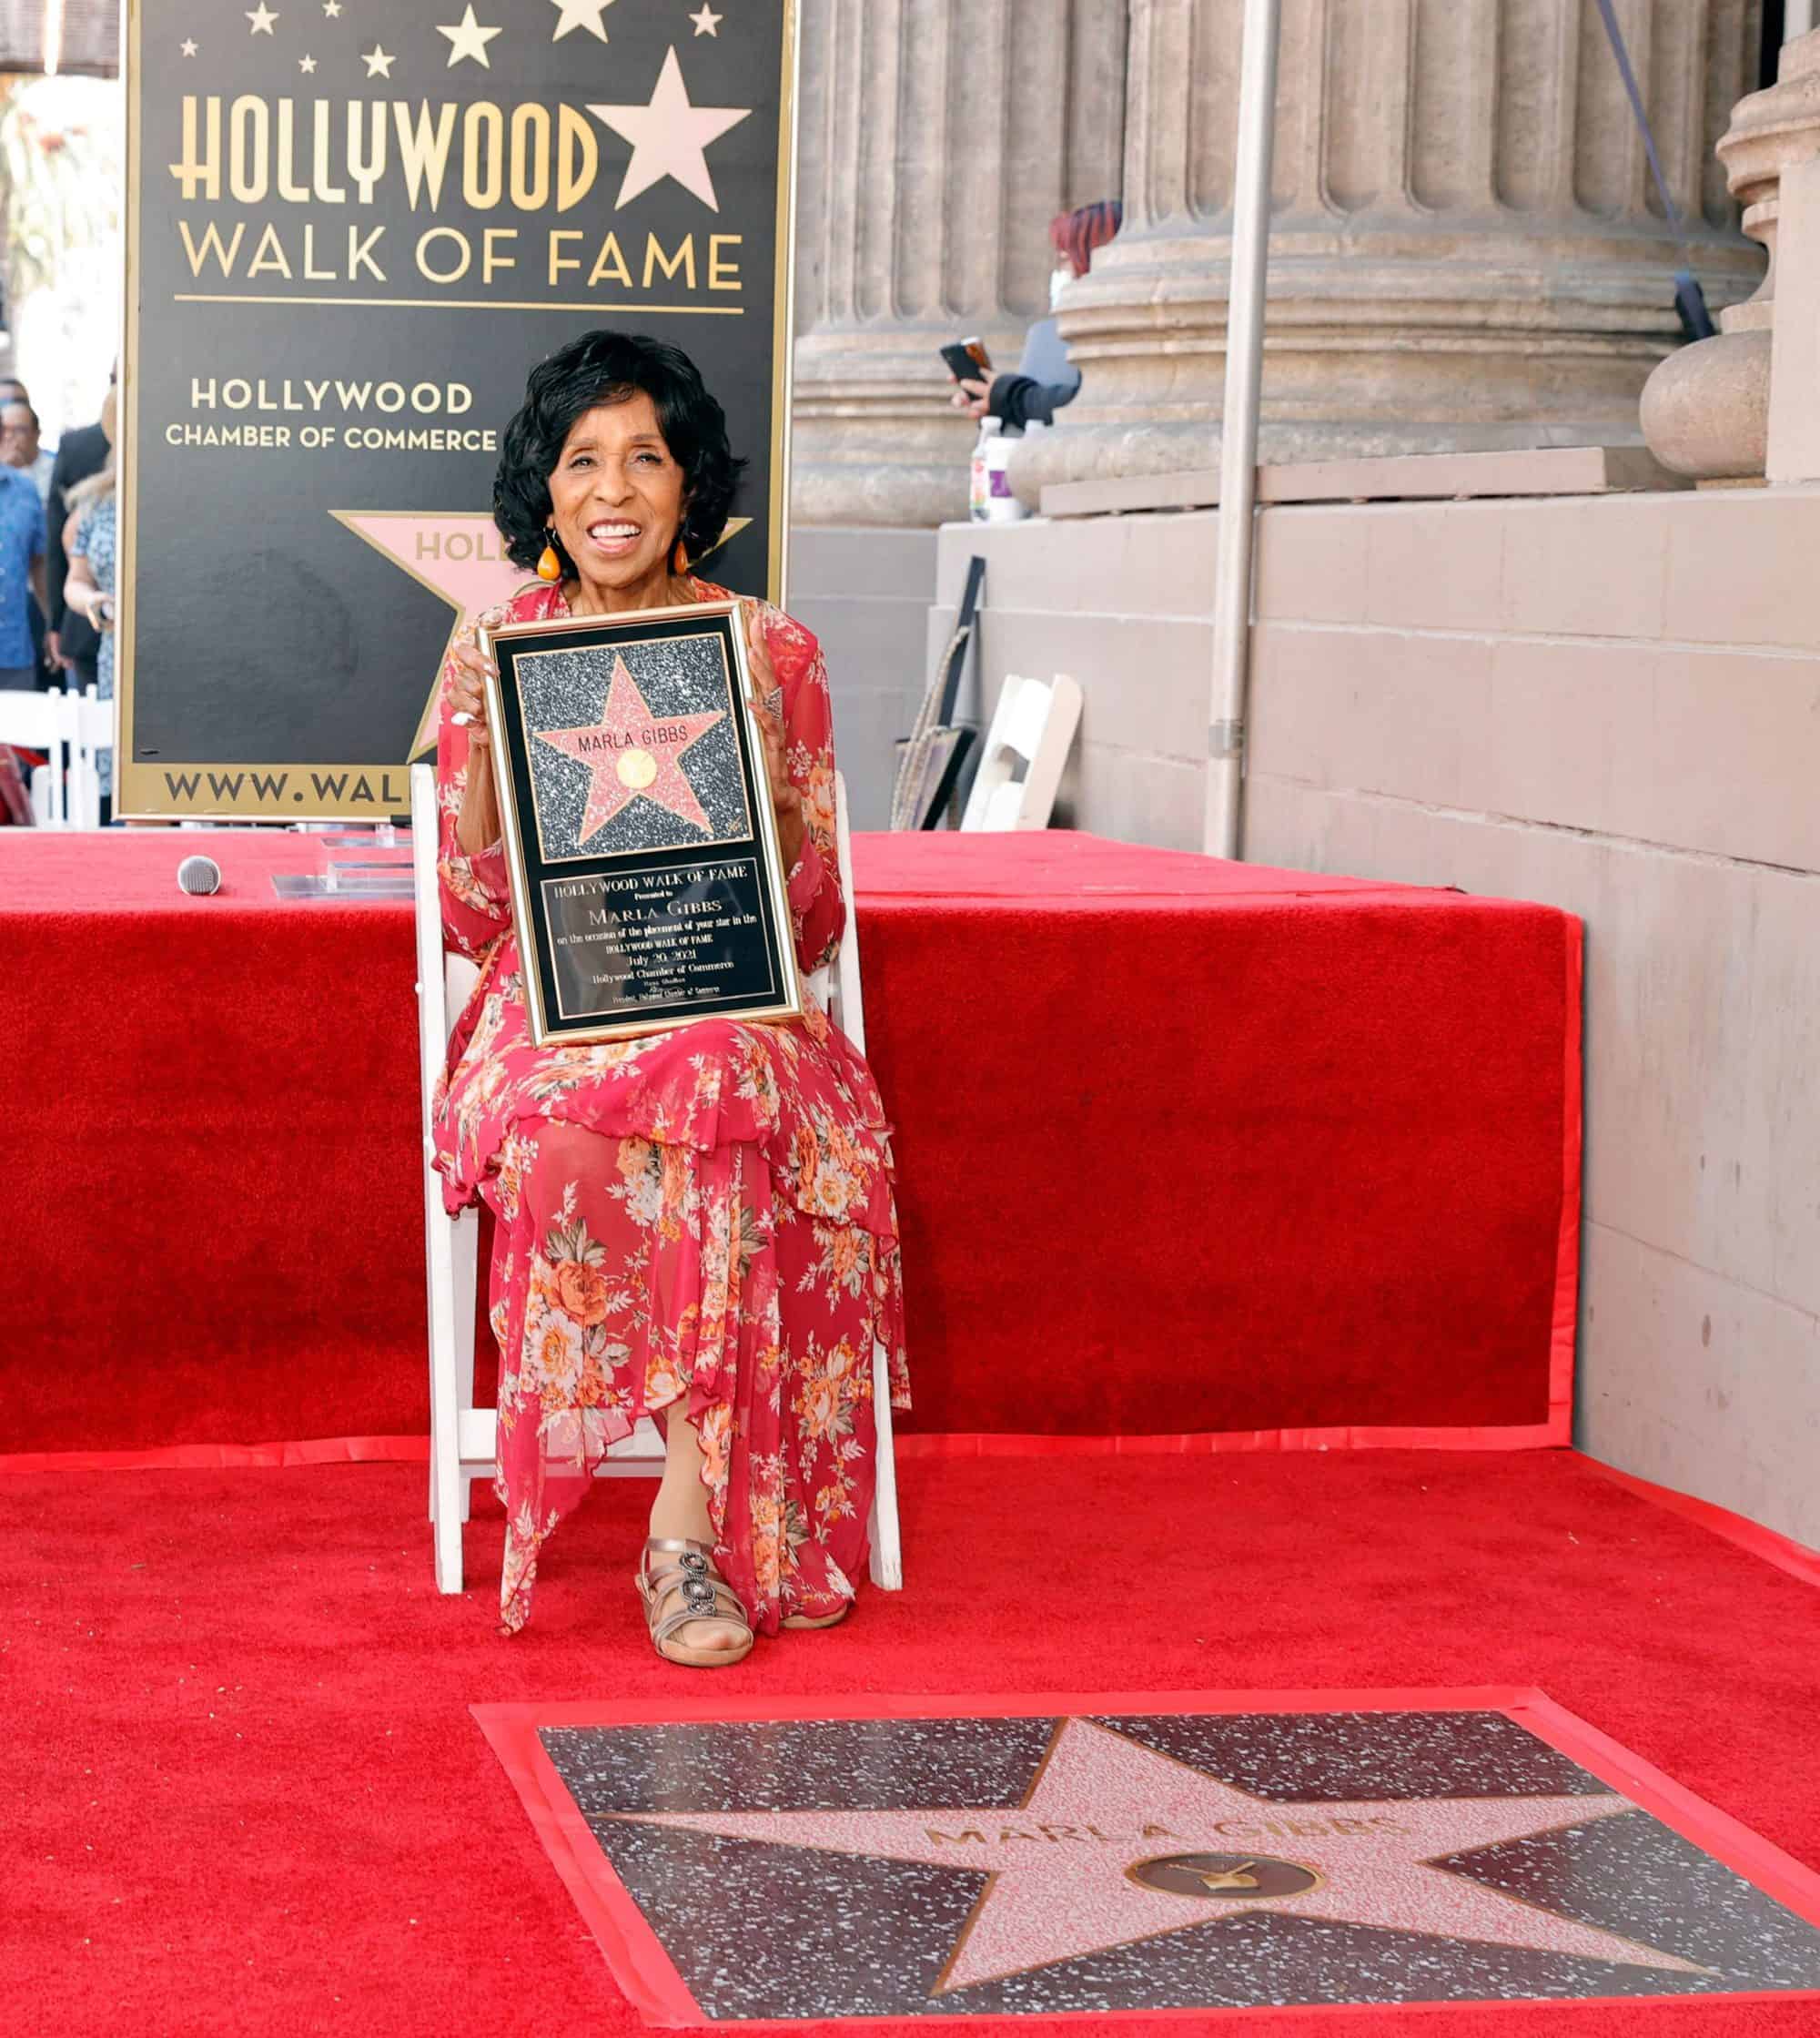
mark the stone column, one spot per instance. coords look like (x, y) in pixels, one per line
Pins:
(936, 141)
(1467, 251)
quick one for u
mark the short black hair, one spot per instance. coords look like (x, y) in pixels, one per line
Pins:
(607, 367)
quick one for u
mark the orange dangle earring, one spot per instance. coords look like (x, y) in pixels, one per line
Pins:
(550, 567)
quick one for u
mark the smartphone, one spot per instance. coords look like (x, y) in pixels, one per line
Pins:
(967, 361)
(104, 606)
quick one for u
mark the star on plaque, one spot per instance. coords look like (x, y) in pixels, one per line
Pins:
(708, 23)
(305, 65)
(579, 14)
(262, 18)
(1115, 1845)
(379, 62)
(189, 47)
(469, 40)
(633, 753)
(668, 136)
(332, 8)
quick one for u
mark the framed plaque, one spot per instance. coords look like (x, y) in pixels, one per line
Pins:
(647, 883)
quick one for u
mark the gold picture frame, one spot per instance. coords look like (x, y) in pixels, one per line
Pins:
(640, 843)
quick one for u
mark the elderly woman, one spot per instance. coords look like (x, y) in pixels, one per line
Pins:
(694, 1225)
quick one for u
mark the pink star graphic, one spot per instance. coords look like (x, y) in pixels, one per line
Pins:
(631, 753)
(1102, 1852)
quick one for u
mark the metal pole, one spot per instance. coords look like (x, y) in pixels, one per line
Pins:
(1239, 427)
(1797, 19)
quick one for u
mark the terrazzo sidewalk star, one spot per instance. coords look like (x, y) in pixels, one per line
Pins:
(1122, 1854)
(1115, 1844)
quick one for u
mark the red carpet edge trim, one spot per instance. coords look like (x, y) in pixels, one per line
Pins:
(960, 1443)
(1567, 1257)
(1774, 1547)
(648, 1978)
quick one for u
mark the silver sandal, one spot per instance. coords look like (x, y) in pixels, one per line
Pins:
(688, 1587)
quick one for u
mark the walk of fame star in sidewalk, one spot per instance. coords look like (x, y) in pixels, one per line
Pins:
(1194, 1855)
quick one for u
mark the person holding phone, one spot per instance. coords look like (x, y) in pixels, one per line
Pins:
(90, 539)
(1045, 379)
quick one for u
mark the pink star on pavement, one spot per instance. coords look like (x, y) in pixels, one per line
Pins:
(1101, 1853)
(634, 753)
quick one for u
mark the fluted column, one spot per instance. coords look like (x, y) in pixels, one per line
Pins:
(937, 140)
(1467, 250)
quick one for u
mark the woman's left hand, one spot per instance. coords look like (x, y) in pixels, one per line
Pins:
(786, 799)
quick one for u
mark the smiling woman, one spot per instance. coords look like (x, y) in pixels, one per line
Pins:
(696, 1225)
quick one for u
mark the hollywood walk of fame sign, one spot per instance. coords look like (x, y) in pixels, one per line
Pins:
(647, 884)
(1410, 1848)
(351, 232)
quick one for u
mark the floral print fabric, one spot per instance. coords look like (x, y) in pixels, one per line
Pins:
(701, 1217)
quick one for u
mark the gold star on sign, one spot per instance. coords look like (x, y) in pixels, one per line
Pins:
(579, 14)
(708, 23)
(262, 18)
(379, 64)
(468, 38)
(668, 136)
(305, 64)
(189, 48)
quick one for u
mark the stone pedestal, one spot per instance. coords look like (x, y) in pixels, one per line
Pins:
(1466, 249)
(1706, 411)
(936, 141)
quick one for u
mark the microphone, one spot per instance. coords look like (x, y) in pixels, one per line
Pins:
(199, 875)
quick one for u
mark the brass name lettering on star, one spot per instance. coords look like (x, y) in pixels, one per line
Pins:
(634, 739)
(1306, 1828)
(973, 1835)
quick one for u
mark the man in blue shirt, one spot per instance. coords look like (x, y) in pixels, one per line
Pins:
(22, 576)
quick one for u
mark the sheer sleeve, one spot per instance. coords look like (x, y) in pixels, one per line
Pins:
(476, 900)
(818, 910)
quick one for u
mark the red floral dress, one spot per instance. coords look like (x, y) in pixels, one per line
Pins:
(704, 1215)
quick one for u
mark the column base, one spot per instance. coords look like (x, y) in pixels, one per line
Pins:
(1387, 337)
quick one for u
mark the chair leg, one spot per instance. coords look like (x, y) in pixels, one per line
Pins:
(887, 1551)
(448, 1488)
(465, 1253)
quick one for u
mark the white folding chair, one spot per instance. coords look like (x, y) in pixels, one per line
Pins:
(1026, 749)
(94, 734)
(48, 721)
(463, 1439)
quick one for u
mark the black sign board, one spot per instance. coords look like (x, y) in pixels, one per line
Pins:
(353, 228)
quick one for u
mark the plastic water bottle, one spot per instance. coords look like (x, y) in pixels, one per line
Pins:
(989, 496)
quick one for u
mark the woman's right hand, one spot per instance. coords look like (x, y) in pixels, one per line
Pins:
(477, 825)
(468, 693)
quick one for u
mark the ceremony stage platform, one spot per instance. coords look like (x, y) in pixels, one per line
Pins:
(1205, 1152)
(1197, 1159)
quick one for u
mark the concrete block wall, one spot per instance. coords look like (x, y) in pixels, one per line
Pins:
(865, 593)
(1612, 703)
(1124, 605)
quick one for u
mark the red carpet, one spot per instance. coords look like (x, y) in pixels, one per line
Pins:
(258, 1803)
(1316, 1141)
